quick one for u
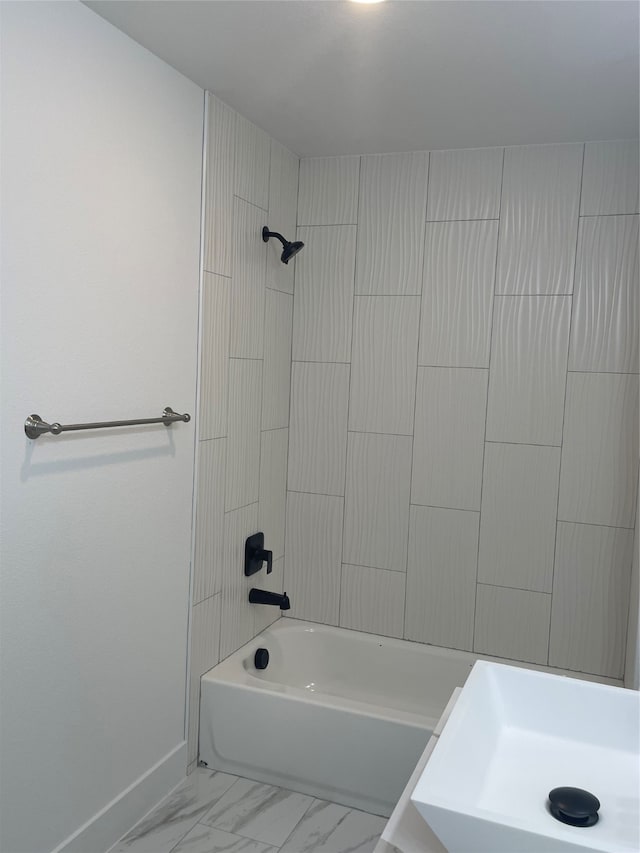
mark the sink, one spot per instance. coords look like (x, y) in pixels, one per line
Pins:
(513, 736)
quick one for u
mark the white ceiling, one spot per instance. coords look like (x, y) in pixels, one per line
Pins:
(335, 77)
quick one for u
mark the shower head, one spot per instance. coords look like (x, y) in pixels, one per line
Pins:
(288, 250)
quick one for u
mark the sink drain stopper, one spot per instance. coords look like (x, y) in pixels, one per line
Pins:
(574, 806)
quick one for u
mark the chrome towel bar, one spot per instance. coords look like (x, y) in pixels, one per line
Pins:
(34, 426)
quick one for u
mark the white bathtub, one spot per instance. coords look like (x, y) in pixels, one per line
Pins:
(338, 714)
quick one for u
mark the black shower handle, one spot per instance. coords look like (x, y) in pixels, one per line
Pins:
(266, 557)
(255, 555)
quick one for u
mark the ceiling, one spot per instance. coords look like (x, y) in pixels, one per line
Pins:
(335, 77)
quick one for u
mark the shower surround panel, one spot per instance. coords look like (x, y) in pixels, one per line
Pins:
(464, 402)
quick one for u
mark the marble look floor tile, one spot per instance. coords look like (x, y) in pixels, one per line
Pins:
(262, 812)
(161, 830)
(329, 828)
(385, 847)
(207, 839)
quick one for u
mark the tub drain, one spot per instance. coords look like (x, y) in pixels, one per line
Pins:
(574, 806)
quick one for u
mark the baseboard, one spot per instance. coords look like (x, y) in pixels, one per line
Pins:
(109, 825)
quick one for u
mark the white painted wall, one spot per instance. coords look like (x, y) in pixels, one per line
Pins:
(101, 172)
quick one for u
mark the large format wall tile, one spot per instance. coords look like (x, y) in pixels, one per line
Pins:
(370, 266)
(214, 370)
(205, 635)
(283, 200)
(590, 598)
(518, 525)
(313, 556)
(539, 219)
(323, 310)
(610, 179)
(218, 216)
(512, 623)
(248, 288)
(457, 293)
(377, 501)
(209, 519)
(598, 480)
(384, 360)
(205, 653)
(328, 192)
(278, 320)
(604, 330)
(318, 430)
(448, 442)
(273, 489)
(441, 577)
(372, 600)
(253, 150)
(528, 373)
(465, 184)
(237, 619)
(393, 199)
(243, 442)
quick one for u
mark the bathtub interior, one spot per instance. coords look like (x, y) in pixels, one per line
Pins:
(365, 668)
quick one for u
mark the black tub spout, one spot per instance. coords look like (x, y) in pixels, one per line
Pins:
(263, 596)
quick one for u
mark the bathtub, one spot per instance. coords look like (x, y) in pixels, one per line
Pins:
(338, 714)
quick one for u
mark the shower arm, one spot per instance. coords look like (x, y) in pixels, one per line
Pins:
(266, 234)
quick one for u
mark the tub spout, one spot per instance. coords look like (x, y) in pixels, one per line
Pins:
(263, 596)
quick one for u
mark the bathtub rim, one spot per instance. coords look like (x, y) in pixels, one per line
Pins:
(231, 670)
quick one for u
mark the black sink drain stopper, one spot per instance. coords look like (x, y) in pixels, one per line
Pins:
(574, 806)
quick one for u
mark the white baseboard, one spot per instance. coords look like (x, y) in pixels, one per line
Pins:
(109, 825)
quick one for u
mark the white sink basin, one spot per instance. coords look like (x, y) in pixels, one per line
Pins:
(514, 735)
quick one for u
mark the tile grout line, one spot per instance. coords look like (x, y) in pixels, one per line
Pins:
(293, 323)
(516, 589)
(193, 556)
(520, 443)
(474, 219)
(415, 399)
(346, 455)
(564, 405)
(265, 261)
(597, 215)
(311, 805)
(486, 412)
(595, 524)
(231, 207)
(326, 224)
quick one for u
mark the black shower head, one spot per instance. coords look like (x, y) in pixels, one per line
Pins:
(288, 250)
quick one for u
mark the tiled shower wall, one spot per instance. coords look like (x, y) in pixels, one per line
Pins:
(246, 323)
(464, 401)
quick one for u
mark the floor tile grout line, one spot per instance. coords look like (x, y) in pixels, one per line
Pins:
(311, 804)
